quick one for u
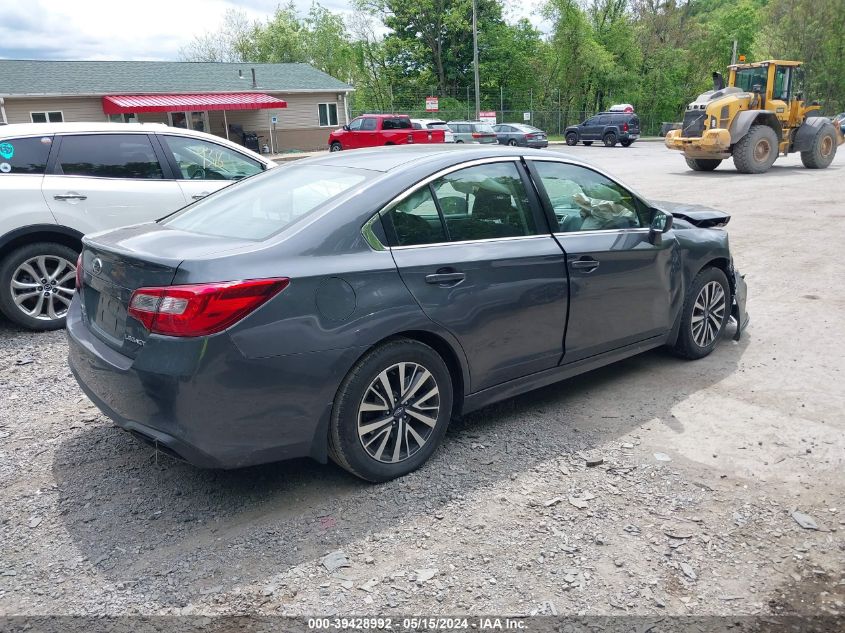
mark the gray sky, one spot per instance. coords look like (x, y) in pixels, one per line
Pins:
(147, 29)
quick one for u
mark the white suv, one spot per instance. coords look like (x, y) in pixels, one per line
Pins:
(60, 181)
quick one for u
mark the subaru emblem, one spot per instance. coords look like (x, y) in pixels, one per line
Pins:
(97, 266)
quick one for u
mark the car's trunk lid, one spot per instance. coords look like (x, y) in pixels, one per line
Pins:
(117, 263)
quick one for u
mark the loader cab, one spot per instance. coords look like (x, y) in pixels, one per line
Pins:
(775, 83)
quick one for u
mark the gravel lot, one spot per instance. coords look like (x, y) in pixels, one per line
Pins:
(689, 513)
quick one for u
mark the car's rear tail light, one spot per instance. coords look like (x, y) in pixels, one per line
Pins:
(531, 136)
(625, 127)
(476, 135)
(201, 309)
(79, 272)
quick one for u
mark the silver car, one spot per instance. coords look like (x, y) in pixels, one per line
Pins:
(473, 132)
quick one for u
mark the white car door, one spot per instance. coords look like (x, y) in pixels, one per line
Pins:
(202, 167)
(104, 181)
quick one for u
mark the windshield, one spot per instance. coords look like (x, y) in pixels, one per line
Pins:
(266, 204)
(747, 78)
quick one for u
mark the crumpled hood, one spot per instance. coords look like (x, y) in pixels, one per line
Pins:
(696, 214)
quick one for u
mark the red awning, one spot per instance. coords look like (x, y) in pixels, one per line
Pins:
(120, 104)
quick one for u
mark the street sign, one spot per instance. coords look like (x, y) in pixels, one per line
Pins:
(487, 117)
(432, 104)
(526, 116)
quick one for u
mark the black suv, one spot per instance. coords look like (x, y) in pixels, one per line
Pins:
(608, 127)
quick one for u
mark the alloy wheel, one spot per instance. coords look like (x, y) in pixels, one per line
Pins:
(43, 286)
(398, 412)
(708, 313)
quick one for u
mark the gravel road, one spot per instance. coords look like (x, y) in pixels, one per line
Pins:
(689, 512)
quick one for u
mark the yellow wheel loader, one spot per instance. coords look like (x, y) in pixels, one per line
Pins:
(760, 113)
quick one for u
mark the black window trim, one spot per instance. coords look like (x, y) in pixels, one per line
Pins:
(53, 162)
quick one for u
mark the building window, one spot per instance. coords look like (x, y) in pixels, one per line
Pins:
(43, 117)
(328, 114)
(128, 117)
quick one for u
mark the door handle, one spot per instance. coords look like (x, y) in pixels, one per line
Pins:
(199, 196)
(69, 196)
(588, 265)
(445, 278)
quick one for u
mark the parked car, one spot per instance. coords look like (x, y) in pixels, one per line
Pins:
(473, 132)
(60, 181)
(434, 124)
(520, 134)
(374, 130)
(841, 119)
(349, 305)
(608, 127)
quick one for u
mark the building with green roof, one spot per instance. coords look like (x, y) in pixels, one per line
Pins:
(288, 106)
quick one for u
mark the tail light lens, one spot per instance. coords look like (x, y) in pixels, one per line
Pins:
(79, 272)
(531, 136)
(201, 309)
(476, 135)
(625, 127)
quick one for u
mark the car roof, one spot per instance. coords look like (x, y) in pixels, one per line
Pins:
(41, 129)
(385, 116)
(386, 159)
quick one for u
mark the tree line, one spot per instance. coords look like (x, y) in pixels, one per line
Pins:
(655, 54)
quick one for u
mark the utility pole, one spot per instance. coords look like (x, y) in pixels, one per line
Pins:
(733, 55)
(475, 57)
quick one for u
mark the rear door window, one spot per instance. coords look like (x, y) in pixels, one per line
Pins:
(109, 156)
(25, 155)
(397, 123)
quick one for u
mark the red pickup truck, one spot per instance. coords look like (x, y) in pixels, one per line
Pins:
(374, 130)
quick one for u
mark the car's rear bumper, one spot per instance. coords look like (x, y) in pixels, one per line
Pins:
(537, 144)
(204, 402)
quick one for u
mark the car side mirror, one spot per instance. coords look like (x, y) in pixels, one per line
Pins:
(661, 222)
(346, 128)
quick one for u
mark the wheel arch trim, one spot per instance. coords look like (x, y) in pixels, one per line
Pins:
(745, 119)
(40, 233)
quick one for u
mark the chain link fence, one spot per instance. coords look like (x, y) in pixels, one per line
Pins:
(546, 112)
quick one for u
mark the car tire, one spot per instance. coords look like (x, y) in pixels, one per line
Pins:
(757, 151)
(703, 164)
(609, 139)
(335, 147)
(572, 139)
(823, 150)
(58, 268)
(707, 304)
(588, 143)
(512, 142)
(626, 143)
(361, 400)
(459, 142)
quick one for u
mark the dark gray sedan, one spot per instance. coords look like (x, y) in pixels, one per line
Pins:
(348, 306)
(519, 134)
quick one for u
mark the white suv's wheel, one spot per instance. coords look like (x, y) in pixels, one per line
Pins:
(37, 283)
